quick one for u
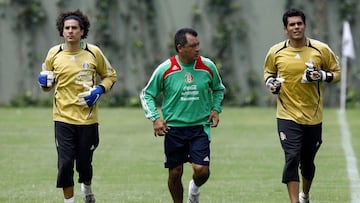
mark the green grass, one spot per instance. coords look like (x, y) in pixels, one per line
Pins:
(246, 165)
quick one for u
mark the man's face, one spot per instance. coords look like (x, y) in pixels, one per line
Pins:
(295, 28)
(72, 31)
(190, 51)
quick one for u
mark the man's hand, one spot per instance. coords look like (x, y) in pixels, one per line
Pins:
(314, 75)
(214, 119)
(311, 74)
(160, 127)
(46, 79)
(91, 96)
(274, 84)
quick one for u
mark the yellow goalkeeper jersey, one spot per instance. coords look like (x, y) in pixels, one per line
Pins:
(298, 101)
(73, 70)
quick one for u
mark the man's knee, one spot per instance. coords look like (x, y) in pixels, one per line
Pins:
(201, 174)
(308, 171)
(175, 173)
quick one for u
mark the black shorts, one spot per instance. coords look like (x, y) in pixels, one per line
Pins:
(300, 144)
(186, 144)
(75, 144)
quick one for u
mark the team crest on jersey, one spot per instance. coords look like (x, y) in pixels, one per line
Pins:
(86, 66)
(189, 78)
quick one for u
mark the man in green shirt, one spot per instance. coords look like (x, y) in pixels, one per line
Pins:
(192, 93)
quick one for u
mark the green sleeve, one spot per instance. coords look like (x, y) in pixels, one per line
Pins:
(217, 88)
(148, 96)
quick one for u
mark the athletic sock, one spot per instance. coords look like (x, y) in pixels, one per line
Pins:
(305, 195)
(86, 189)
(70, 200)
(194, 188)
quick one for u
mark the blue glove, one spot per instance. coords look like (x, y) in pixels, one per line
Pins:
(46, 79)
(91, 96)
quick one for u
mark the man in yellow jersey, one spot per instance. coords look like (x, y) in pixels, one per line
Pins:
(71, 69)
(296, 70)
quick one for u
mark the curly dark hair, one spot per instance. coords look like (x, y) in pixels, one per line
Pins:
(76, 15)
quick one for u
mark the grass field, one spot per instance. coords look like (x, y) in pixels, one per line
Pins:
(128, 165)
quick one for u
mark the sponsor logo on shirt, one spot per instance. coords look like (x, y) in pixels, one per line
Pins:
(190, 93)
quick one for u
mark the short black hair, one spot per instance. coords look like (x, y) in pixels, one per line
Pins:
(77, 15)
(291, 13)
(180, 36)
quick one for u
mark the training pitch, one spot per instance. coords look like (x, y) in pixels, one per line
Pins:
(246, 162)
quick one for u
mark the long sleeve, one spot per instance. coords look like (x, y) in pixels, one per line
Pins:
(148, 96)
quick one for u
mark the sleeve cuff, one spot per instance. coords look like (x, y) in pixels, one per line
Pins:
(218, 109)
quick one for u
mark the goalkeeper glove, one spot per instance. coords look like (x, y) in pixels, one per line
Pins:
(274, 84)
(316, 75)
(91, 96)
(46, 79)
(311, 74)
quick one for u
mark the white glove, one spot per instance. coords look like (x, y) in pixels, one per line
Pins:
(274, 84)
(316, 75)
(312, 74)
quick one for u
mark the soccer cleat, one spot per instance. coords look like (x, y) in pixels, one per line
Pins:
(87, 194)
(303, 198)
(193, 197)
(89, 198)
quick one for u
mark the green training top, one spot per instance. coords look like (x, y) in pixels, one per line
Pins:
(190, 92)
